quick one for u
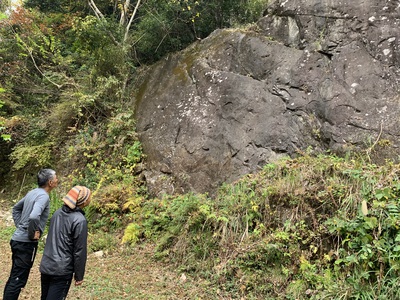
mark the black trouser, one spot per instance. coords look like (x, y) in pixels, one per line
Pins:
(55, 287)
(23, 256)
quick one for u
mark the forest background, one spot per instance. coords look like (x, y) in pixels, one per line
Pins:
(307, 227)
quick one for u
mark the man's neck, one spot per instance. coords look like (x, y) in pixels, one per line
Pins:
(47, 189)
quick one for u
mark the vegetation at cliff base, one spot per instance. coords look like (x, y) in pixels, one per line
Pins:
(313, 227)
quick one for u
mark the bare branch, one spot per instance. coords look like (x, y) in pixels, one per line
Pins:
(96, 11)
(130, 21)
(124, 12)
(100, 17)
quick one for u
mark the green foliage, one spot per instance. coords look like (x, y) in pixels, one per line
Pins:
(102, 241)
(56, 5)
(6, 232)
(31, 157)
(4, 5)
(55, 202)
(184, 224)
(168, 26)
(295, 230)
(6, 137)
(92, 47)
(107, 159)
(131, 234)
(369, 242)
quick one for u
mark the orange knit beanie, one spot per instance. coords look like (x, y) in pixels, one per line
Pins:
(77, 196)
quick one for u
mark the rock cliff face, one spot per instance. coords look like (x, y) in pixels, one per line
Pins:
(312, 73)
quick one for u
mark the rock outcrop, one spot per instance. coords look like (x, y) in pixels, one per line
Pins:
(311, 74)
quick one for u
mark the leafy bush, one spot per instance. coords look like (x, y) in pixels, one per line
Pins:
(102, 241)
(131, 234)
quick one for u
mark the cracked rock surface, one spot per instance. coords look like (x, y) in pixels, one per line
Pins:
(320, 74)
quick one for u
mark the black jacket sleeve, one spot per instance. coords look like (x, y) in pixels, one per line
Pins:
(80, 249)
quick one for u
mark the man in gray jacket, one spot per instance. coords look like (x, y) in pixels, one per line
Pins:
(30, 215)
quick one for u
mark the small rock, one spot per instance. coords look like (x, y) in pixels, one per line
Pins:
(183, 278)
(99, 254)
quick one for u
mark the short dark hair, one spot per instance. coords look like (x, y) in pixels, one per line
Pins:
(44, 175)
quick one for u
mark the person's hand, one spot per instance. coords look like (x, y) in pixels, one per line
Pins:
(78, 282)
(37, 235)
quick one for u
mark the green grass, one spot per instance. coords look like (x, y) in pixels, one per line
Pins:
(6, 232)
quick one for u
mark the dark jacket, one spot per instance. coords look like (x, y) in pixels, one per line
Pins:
(65, 251)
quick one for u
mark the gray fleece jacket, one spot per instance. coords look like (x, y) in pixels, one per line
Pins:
(30, 214)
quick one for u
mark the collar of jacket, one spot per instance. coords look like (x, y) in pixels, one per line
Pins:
(67, 209)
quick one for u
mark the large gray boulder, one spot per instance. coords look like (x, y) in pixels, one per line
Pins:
(311, 74)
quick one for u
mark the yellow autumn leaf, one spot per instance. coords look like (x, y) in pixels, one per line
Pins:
(364, 207)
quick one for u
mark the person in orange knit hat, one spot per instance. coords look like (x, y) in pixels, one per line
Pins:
(65, 252)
